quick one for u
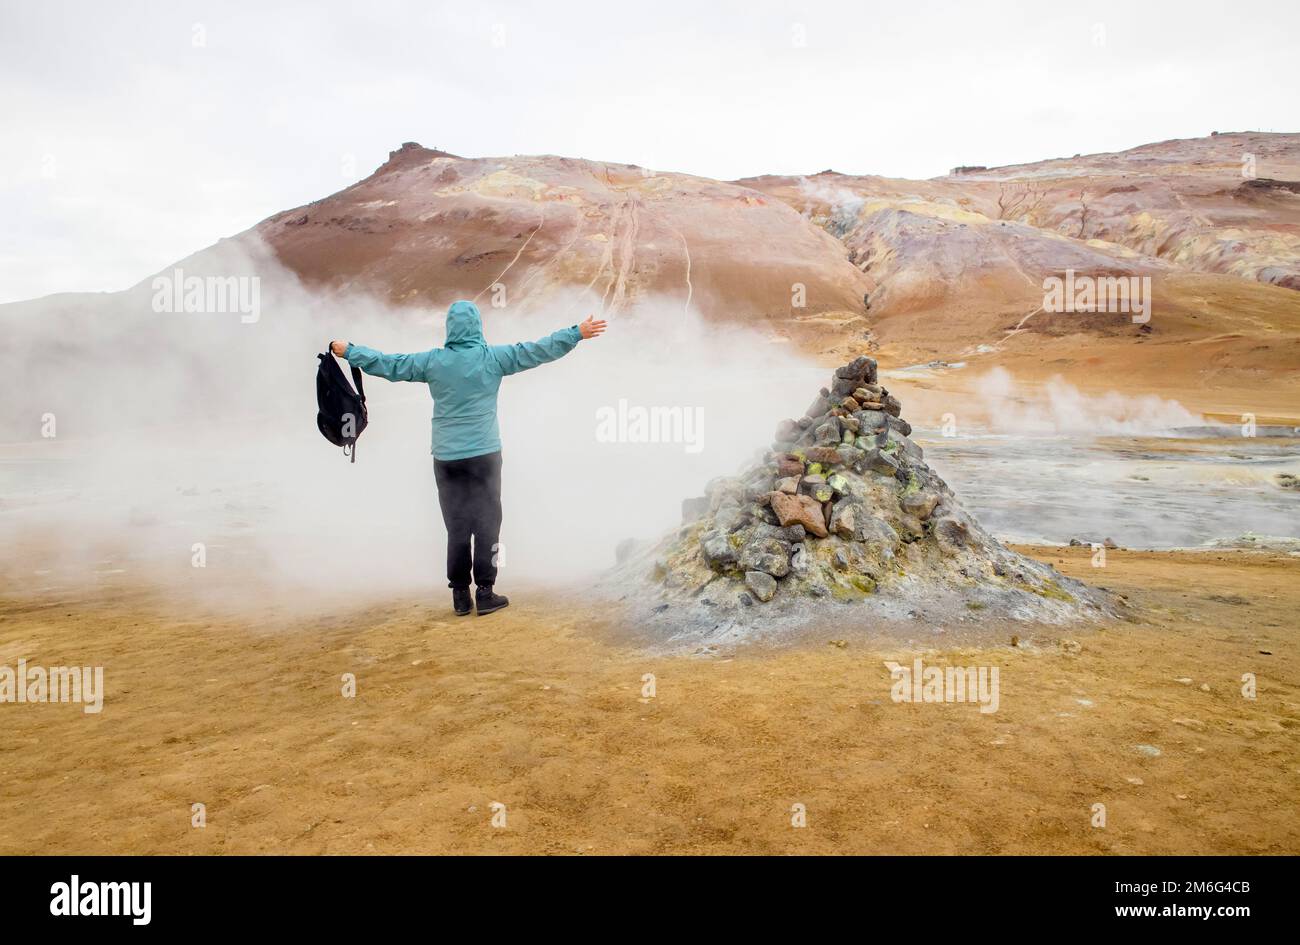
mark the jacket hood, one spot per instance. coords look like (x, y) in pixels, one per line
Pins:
(464, 326)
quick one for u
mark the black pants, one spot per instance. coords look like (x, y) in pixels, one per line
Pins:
(469, 494)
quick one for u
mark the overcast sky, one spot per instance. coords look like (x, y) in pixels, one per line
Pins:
(136, 133)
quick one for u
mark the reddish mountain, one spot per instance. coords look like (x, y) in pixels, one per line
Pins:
(433, 227)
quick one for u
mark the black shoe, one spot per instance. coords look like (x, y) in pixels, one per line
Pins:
(461, 601)
(487, 602)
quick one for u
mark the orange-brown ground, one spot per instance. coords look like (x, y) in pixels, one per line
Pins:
(540, 708)
(1217, 345)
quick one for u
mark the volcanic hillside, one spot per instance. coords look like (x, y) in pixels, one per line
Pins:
(960, 262)
(949, 269)
(429, 227)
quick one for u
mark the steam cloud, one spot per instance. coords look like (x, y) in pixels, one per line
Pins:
(175, 429)
(844, 204)
(1061, 408)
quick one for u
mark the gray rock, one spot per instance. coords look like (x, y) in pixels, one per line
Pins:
(849, 455)
(762, 586)
(821, 491)
(787, 431)
(861, 369)
(723, 488)
(920, 504)
(842, 388)
(717, 550)
(951, 534)
(786, 533)
(729, 517)
(852, 521)
(818, 406)
(881, 462)
(876, 533)
(902, 426)
(845, 516)
(903, 446)
(766, 554)
(871, 421)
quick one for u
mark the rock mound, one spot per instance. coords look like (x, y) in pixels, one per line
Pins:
(843, 509)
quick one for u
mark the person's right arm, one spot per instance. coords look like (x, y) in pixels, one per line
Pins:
(391, 367)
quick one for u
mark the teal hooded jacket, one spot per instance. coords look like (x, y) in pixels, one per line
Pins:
(463, 377)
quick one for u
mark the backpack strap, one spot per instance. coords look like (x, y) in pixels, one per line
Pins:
(349, 449)
(356, 375)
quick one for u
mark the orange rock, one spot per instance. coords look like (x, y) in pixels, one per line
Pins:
(800, 510)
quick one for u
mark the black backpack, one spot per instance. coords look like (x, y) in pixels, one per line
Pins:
(340, 411)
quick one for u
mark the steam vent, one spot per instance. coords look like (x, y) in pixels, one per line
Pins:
(842, 510)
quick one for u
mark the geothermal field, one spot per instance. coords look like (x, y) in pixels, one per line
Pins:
(957, 515)
(676, 429)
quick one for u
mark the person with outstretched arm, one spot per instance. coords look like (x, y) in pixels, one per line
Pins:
(463, 377)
